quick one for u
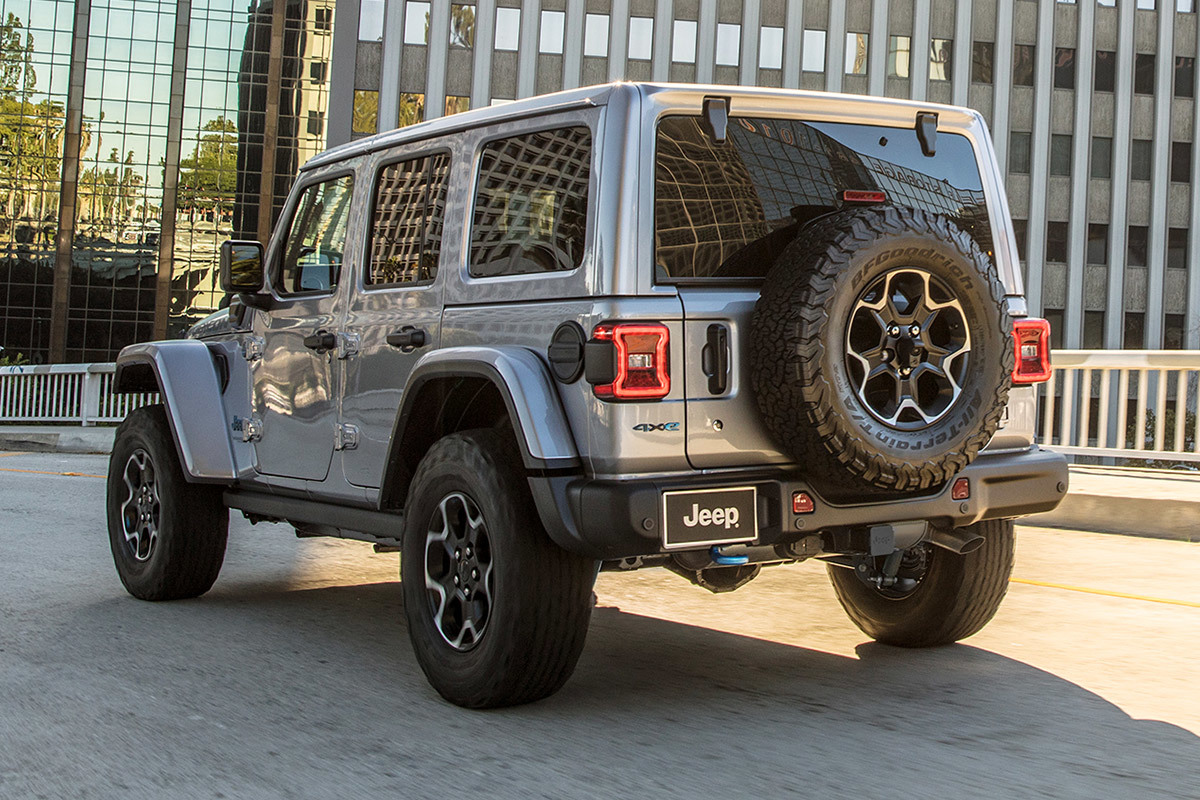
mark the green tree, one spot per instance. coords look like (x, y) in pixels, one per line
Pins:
(462, 26)
(17, 76)
(208, 177)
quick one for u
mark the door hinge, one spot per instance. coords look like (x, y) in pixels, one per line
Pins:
(345, 436)
(249, 427)
(348, 344)
(252, 347)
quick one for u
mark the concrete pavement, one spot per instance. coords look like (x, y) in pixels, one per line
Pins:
(293, 678)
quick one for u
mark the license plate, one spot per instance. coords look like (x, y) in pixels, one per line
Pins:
(699, 517)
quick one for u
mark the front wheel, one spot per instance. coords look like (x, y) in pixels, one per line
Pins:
(497, 612)
(954, 596)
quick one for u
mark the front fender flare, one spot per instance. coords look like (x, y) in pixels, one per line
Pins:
(190, 388)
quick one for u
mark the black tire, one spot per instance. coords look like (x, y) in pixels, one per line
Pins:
(803, 374)
(957, 596)
(184, 556)
(538, 600)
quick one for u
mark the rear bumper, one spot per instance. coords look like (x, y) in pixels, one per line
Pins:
(620, 519)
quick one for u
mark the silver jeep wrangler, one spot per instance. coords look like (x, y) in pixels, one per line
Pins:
(708, 328)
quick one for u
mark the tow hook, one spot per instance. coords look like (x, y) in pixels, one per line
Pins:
(886, 577)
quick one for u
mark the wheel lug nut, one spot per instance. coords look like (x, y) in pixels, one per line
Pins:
(458, 555)
(893, 330)
(468, 551)
(886, 355)
(474, 574)
(456, 580)
(915, 330)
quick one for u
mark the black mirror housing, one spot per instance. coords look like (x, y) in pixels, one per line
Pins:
(241, 267)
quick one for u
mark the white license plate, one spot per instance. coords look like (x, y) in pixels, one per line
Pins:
(700, 517)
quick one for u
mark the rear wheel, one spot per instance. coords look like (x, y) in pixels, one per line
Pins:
(946, 597)
(167, 535)
(497, 612)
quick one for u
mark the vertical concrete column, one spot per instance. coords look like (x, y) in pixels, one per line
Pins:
(877, 66)
(793, 43)
(1001, 81)
(530, 44)
(1080, 168)
(166, 236)
(748, 57)
(706, 41)
(660, 66)
(64, 237)
(1157, 256)
(961, 78)
(1043, 88)
(573, 45)
(266, 189)
(1191, 319)
(485, 40)
(1114, 322)
(438, 53)
(618, 39)
(835, 48)
(918, 58)
(341, 72)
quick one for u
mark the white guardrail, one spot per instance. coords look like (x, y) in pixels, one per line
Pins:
(1122, 404)
(65, 393)
(1126, 391)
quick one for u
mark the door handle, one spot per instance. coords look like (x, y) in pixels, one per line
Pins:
(321, 341)
(714, 359)
(408, 338)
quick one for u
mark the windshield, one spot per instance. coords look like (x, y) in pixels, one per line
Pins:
(728, 210)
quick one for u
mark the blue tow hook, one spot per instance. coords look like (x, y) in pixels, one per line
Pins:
(726, 561)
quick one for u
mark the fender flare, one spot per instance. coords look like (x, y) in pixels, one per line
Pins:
(186, 378)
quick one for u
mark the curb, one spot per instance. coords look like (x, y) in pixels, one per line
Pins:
(66, 440)
(1178, 520)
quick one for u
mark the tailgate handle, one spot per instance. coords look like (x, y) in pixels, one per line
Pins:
(714, 359)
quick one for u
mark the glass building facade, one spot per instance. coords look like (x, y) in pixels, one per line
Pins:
(135, 137)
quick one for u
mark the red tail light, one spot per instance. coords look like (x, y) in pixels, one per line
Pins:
(863, 196)
(1032, 337)
(641, 368)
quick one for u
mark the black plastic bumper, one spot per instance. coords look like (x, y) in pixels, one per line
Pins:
(619, 519)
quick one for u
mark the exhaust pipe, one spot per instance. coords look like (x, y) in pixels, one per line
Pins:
(956, 540)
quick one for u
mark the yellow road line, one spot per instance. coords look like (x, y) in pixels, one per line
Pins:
(3, 455)
(44, 472)
(1106, 593)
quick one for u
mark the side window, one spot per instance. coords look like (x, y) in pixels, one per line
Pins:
(531, 203)
(406, 223)
(312, 254)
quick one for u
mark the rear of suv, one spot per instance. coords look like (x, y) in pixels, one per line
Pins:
(704, 328)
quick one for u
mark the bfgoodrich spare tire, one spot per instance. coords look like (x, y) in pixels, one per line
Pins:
(882, 349)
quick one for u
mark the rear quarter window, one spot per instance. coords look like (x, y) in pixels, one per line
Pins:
(725, 211)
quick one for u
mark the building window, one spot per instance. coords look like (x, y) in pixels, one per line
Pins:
(729, 44)
(1093, 330)
(683, 41)
(550, 39)
(318, 71)
(770, 48)
(1139, 236)
(1056, 242)
(1060, 154)
(1173, 332)
(1143, 73)
(1064, 68)
(1021, 231)
(1018, 156)
(323, 19)
(412, 108)
(406, 229)
(899, 49)
(316, 123)
(982, 60)
(595, 35)
(462, 25)
(1181, 162)
(365, 116)
(1145, 5)
(1185, 6)
(1055, 317)
(1141, 156)
(1101, 157)
(370, 20)
(1097, 243)
(814, 51)
(1106, 71)
(1177, 244)
(508, 28)
(1185, 76)
(641, 38)
(416, 22)
(1023, 65)
(941, 59)
(856, 53)
(456, 104)
(1135, 331)
(531, 203)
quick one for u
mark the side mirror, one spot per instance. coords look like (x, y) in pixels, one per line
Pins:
(241, 267)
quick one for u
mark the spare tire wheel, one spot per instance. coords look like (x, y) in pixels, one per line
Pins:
(882, 351)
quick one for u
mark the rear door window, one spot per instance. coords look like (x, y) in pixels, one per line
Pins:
(531, 203)
(407, 221)
(726, 211)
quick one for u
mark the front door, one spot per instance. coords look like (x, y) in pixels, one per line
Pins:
(296, 379)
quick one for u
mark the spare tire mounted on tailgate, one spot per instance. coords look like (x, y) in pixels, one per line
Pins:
(882, 350)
